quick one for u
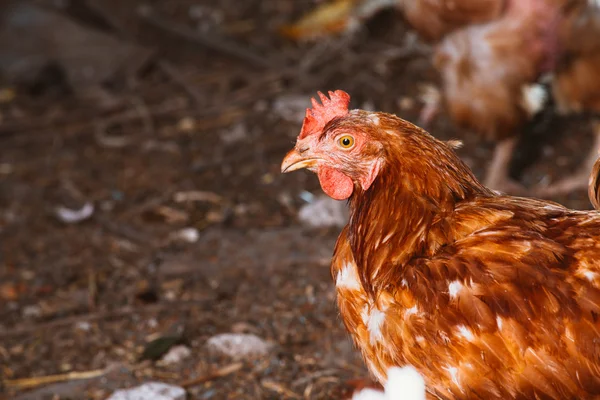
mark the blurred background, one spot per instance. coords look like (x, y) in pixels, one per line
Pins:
(146, 231)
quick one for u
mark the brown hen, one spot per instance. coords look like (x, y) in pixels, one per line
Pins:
(576, 81)
(487, 296)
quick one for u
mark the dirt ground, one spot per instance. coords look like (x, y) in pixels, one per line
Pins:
(196, 141)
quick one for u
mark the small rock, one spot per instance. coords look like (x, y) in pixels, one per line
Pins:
(323, 212)
(238, 345)
(83, 326)
(190, 235)
(175, 355)
(150, 391)
(69, 216)
(32, 311)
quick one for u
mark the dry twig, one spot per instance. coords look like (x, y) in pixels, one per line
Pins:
(219, 373)
(280, 389)
(26, 383)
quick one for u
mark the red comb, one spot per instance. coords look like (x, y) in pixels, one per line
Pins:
(317, 117)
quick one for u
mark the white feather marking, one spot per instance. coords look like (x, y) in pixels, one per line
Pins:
(404, 283)
(373, 318)
(404, 383)
(364, 315)
(374, 119)
(453, 371)
(411, 311)
(444, 336)
(347, 277)
(533, 97)
(590, 275)
(499, 322)
(569, 335)
(369, 394)
(389, 235)
(466, 333)
(454, 288)
(376, 318)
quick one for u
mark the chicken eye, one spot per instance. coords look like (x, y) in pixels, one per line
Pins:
(346, 142)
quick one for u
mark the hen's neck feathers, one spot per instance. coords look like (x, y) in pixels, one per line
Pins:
(421, 181)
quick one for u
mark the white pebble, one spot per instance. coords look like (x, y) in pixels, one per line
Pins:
(175, 355)
(150, 391)
(238, 345)
(69, 216)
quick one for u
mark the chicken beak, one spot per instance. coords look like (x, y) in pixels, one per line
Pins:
(294, 160)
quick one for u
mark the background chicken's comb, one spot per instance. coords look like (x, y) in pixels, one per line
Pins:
(317, 117)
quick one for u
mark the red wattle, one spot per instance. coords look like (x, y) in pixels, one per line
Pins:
(334, 183)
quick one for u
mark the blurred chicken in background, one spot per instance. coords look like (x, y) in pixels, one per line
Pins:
(488, 72)
(433, 19)
(576, 82)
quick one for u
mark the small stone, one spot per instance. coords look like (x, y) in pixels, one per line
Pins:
(150, 391)
(83, 326)
(190, 235)
(238, 345)
(175, 355)
(69, 216)
(32, 311)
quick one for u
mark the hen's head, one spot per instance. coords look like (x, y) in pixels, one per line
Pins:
(337, 144)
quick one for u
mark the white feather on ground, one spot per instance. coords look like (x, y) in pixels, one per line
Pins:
(403, 384)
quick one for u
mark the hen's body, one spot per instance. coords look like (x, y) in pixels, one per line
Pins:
(487, 296)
